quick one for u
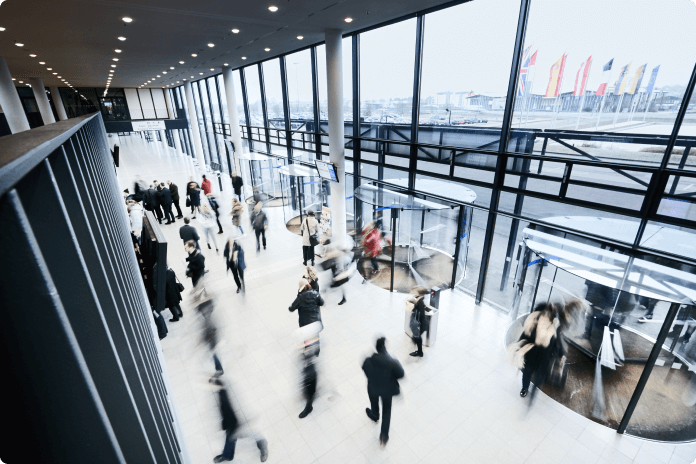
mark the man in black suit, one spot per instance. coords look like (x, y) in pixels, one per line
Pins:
(174, 192)
(237, 184)
(188, 232)
(165, 198)
(154, 202)
(196, 262)
(383, 373)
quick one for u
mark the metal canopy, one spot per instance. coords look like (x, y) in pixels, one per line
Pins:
(297, 170)
(383, 197)
(439, 187)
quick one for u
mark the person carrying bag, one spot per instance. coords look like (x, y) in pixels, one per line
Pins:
(310, 237)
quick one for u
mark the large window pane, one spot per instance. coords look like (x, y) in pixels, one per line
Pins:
(387, 57)
(463, 84)
(200, 120)
(239, 97)
(251, 74)
(274, 93)
(684, 153)
(595, 73)
(209, 133)
(223, 99)
(347, 51)
(299, 70)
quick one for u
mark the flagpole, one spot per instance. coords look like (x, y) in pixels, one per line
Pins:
(531, 94)
(582, 104)
(618, 110)
(601, 106)
(647, 107)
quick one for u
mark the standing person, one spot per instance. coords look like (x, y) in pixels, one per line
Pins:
(230, 424)
(157, 201)
(166, 200)
(236, 214)
(135, 212)
(206, 185)
(149, 200)
(212, 201)
(193, 191)
(421, 321)
(189, 233)
(307, 304)
(196, 263)
(173, 296)
(260, 224)
(383, 373)
(309, 228)
(174, 192)
(237, 184)
(208, 224)
(234, 256)
(312, 277)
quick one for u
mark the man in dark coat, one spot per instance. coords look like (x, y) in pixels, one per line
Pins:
(234, 256)
(148, 198)
(166, 202)
(237, 184)
(155, 199)
(382, 372)
(174, 192)
(307, 304)
(230, 424)
(196, 263)
(188, 232)
(216, 209)
(172, 296)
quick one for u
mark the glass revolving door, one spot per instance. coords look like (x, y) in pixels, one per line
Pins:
(261, 178)
(304, 191)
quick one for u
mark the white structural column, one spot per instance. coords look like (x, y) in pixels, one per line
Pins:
(58, 103)
(42, 100)
(177, 142)
(163, 136)
(9, 101)
(170, 109)
(193, 119)
(228, 80)
(334, 86)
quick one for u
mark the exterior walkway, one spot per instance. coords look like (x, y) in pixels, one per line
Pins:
(459, 404)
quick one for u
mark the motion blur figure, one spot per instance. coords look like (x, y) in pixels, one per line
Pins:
(372, 246)
(234, 257)
(383, 373)
(259, 222)
(310, 351)
(419, 319)
(205, 305)
(338, 260)
(231, 426)
(207, 221)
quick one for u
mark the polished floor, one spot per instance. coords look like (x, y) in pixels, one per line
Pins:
(459, 403)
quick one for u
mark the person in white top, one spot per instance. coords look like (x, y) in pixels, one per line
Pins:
(310, 226)
(135, 211)
(207, 220)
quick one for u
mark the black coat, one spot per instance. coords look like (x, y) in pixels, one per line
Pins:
(230, 423)
(307, 305)
(172, 295)
(187, 232)
(237, 184)
(149, 199)
(383, 372)
(196, 266)
(419, 307)
(153, 198)
(165, 197)
(174, 192)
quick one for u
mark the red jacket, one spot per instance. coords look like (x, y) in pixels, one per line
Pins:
(205, 185)
(373, 243)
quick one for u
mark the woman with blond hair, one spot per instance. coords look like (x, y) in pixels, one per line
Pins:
(236, 214)
(312, 277)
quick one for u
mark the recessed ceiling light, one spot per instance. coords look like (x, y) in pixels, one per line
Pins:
(32, 55)
(42, 62)
(113, 65)
(299, 37)
(59, 77)
(177, 82)
(14, 79)
(115, 59)
(2, 29)
(348, 20)
(50, 69)
(235, 31)
(164, 72)
(121, 38)
(194, 55)
(200, 74)
(181, 62)
(244, 57)
(19, 44)
(267, 49)
(212, 69)
(171, 67)
(211, 45)
(273, 8)
(126, 19)
(159, 75)
(54, 73)
(191, 77)
(225, 64)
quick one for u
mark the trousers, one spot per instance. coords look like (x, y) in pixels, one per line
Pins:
(168, 215)
(238, 275)
(386, 409)
(308, 254)
(260, 232)
(178, 208)
(210, 236)
(231, 444)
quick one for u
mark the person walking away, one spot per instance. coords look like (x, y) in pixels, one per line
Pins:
(339, 261)
(166, 199)
(234, 256)
(135, 212)
(260, 224)
(206, 185)
(188, 232)
(383, 373)
(309, 228)
(157, 202)
(212, 201)
(208, 224)
(193, 193)
(309, 375)
(419, 319)
(231, 425)
(372, 243)
(312, 277)
(149, 199)
(237, 210)
(196, 263)
(174, 192)
(172, 296)
(307, 304)
(237, 184)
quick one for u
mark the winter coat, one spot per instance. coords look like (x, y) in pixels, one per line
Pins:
(307, 305)
(237, 184)
(194, 193)
(228, 254)
(196, 266)
(207, 187)
(537, 345)
(230, 423)
(237, 210)
(174, 192)
(383, 372)
(420, 308)
(260, 221)
(214, 205)
(188, 232)
(373, 243)
(136, 216)
(149, 198)
(172, 295)
(310, 226)
(165, 196)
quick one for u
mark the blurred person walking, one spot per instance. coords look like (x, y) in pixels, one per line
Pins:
(206, 186)
(135, 212)
(172, 296)
(174, 192)
(310, 237)
(307, 304)
(193, 191)
(312, 277)
(234, 257)
(372, 244)
(259, 222)
(383, 373)
(309, 354)
(157, 202)
(212, 201)
(196, 263)
(338, 260)
(237, 184)
(189, 233)
(419, 322)
(208, 223)
(237, 210)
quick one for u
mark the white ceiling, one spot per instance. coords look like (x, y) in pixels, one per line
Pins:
(77, 38)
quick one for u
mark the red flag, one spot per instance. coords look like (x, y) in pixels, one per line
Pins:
(602, 89)
(532, 60)
(581, 78)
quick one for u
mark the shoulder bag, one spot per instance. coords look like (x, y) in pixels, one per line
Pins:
(313, 238)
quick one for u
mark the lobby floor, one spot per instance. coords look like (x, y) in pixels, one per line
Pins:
(459, 404)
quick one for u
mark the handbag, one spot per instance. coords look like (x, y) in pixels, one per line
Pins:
(188, 202)
(179, 285)
(313, 238)
(414, 324)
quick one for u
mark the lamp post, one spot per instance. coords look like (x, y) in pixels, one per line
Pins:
(449, 121)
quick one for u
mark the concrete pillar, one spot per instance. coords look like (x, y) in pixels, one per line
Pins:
(58, 103)
(228, 80)
(193, 122)
(42, 100)
(170, 108)
(334, 92)
(177, 141)
(9, 101)
(163, 136)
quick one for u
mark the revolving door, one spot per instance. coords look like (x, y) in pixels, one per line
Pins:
(261, 178)
(424, 241)
(304, 191)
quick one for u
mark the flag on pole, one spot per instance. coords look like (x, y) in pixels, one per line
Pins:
(581, 78)
(607, 67)
(532, 60)
(524, 72)
(651, 82)
(637, 79)
(621, 81)
(556, 77)
(602, 90)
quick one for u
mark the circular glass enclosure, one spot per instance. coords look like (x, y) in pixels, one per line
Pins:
(304, 191)
(262, 171)
(424, 240)
(628, 359)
